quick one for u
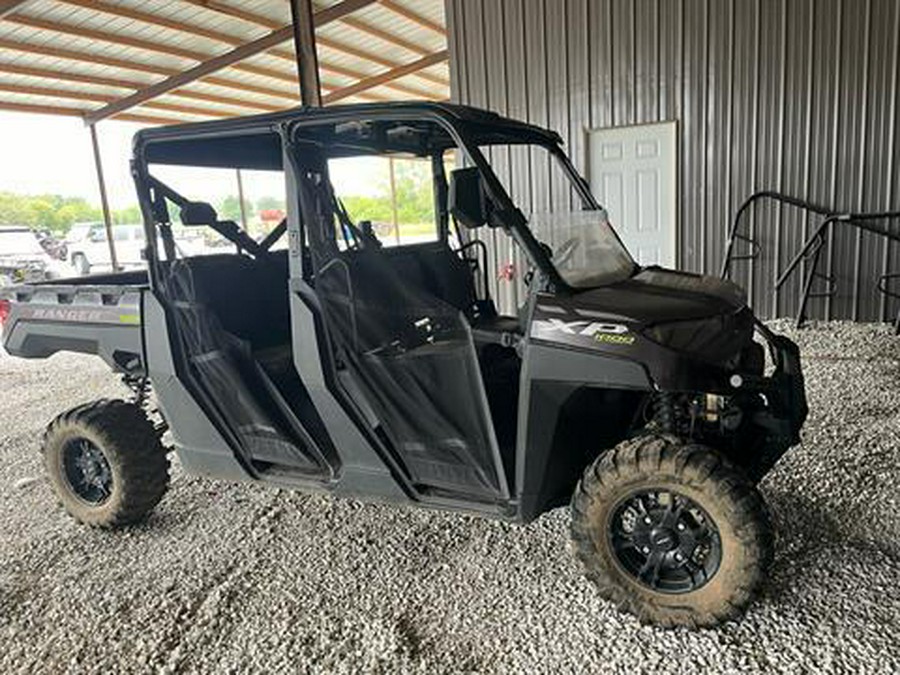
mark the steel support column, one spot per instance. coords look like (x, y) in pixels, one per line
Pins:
(394, 216)
(240, 187)
(104, 202)
(305, 47)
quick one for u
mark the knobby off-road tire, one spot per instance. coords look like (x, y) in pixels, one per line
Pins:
(715, 491)
(106, 463)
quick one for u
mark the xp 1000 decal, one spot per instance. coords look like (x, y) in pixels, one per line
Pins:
(582, 332)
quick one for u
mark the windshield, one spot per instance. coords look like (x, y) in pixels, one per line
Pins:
(583, 246)
(586, 251)
(19, 242)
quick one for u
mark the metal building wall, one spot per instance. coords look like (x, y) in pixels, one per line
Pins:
(799, 96)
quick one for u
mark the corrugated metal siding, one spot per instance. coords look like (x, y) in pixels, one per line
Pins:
(799, 97)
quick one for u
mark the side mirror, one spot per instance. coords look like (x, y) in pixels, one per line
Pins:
(198, 213)
(467, 201)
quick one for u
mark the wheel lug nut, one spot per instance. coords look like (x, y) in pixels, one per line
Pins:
(679, 557)
(681, 527)
(647, 520)
(645, 550)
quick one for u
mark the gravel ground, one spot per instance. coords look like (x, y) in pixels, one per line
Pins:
(232, 578)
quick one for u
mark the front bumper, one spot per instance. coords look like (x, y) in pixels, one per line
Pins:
(776, 427)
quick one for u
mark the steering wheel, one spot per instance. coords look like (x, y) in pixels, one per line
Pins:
(565, 251)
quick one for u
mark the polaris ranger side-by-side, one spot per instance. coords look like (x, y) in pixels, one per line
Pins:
(346, 364)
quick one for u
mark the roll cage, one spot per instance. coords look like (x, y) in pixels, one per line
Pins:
(263, 142)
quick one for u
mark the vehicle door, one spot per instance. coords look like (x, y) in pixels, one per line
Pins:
(404, 354)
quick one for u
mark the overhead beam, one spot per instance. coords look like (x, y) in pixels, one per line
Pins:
(383, 35)
(138, 43)
(153, 19)
(72, 55)
(222, 61)
(305, 50)
(79, 112)
(375, 58)
(407, 13)
(393, 74)
(67, 76)
(226, 38)
(56, 92)
(9, 6)
(17, 69)
(237, 12)
(87, 57)
(94, 97)
(189, 29)
(334, 45)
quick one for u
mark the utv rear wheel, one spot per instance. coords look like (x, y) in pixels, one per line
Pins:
(106, 463)
(671, 532)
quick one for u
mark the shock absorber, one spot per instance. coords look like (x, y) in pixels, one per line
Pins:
(140, 395)
(665, 414)
(140, 388)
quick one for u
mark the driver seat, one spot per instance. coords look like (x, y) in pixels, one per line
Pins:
(470, 206)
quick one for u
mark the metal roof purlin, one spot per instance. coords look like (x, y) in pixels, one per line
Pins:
(378, 80)
(9, 6)
(217, 63)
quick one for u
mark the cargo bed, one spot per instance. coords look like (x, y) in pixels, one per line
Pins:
(93, 315)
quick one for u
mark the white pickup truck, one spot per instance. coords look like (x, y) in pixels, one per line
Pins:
(89, 248)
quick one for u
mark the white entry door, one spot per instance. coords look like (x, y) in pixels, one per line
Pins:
(632, 174)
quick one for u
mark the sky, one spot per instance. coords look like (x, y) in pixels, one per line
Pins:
(52, 154)
(41, 154)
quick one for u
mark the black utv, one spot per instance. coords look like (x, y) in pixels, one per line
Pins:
(326, 356)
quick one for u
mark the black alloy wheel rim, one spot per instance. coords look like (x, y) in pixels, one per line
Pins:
(665, 541)
(87, 471)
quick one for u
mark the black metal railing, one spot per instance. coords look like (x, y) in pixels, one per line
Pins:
(811, 251)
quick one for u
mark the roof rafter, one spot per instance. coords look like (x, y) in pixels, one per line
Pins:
(266, 22)
(99, 59)
(376, 32)
(378, 80)
(95, 97)
(222, 61)
(147, 45)
(9, 6)
(233, 40)
(67, 76)
(79, 112)
(416, 18)
(368, 56)
(79, 56)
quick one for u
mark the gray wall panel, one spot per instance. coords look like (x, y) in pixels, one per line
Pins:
(799, 96)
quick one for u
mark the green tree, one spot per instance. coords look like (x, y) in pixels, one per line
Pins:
(128, 216)
(230, 209)
(414, 195)
(53, 212)
(269, 203)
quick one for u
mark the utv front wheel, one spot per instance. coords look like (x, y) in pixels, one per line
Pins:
(106, 463)
(671, 533)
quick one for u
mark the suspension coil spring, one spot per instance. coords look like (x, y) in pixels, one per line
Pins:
(665, 414)
(140, 389)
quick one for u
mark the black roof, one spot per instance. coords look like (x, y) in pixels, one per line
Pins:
(255, 142)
